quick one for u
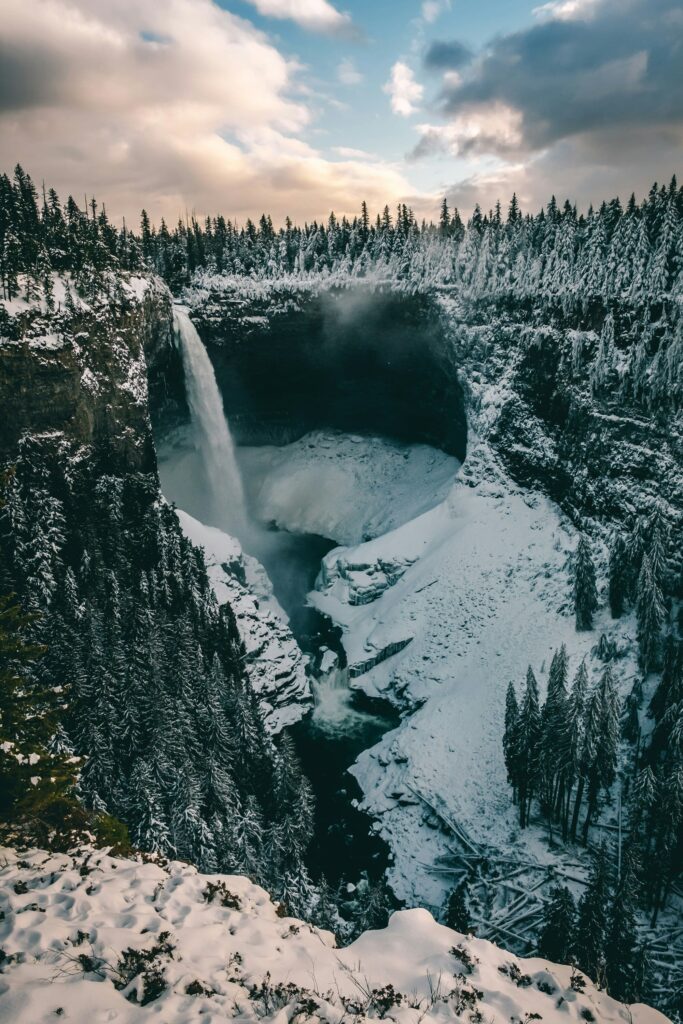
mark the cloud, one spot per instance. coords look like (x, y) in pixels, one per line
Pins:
(432, 9)
(604, 66)
(443, 56)
(313, 15)
(404, 91)
(179, 106)
(477, 132)
(582, 169)
(566, 10)
(591, 92)
(349, 153)
(348, 73)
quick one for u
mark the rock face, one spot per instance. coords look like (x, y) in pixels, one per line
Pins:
(362, 360)
(423, 368)
(274, 661)
(83, 371)
(528, 393)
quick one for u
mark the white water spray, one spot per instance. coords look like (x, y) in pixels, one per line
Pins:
(214, 440)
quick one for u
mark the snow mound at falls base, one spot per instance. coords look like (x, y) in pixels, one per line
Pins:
(67, 919)
(345, 486)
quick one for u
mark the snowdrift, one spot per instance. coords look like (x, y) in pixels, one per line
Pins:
(88, 937)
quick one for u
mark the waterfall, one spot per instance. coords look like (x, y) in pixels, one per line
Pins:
(213, 436)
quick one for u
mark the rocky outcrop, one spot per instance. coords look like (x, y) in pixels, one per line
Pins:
(88, 373)
(274, 661)
(82, 369)
(364, 359)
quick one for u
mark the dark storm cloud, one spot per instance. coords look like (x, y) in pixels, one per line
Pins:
(24, 80)
(447, 56)
(619, 65)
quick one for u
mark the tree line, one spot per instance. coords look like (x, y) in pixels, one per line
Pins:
(616, 269)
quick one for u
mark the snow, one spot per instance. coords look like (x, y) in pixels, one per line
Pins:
(57, 907)
(484, 591)
(275, 664)
(343, 486)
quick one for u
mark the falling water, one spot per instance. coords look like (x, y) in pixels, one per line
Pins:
(214, 439)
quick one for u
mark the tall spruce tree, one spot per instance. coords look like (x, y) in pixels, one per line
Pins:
(618, 576)
(621, 941)
(650, 611)
(585, 591)
(510, 742)
(593, 918)
(557, 941)
(528, 747)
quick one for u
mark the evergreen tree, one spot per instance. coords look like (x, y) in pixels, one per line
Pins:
(557, 941)
(593, 919)
(650, 611)
(528, 747)
(510, 736)
(553, 726)
(618, 576)
(621, 937)
(585, 591)
(457, 915)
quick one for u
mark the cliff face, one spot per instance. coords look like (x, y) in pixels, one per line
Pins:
(88, 372)
(82, 369)
(362, 359)
(528, 392)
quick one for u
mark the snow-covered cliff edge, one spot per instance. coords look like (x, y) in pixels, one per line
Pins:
(91, 937)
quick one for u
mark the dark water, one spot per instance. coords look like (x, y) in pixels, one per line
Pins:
(341, 727)
(343, 846)
(292, 562)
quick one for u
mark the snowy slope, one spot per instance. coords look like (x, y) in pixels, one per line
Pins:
(478, 588)
(276, 666)
(67, 919)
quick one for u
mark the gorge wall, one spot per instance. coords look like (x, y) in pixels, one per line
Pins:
(358, 360)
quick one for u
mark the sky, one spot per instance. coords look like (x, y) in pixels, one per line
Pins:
(300, 107)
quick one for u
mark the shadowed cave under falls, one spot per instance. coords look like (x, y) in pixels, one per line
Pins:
(329, 374)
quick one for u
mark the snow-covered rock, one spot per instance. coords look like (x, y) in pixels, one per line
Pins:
(275, 663)
(72, 929)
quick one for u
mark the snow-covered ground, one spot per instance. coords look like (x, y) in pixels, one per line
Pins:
(67, 920)
(438, 615)
(466, 582)
(344, 486)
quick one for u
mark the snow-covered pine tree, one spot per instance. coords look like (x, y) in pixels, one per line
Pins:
(585, 591)
(553, 726)
(528, 747)
(557, 941)
(593, 918)
(621, 941)
(618, 575)
(571, 743)
(510, 737)
(456, 914)
(650, 610)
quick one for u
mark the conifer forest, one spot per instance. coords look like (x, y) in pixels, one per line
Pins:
(341, 556)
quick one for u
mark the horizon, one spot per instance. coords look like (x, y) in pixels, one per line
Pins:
(190, 217)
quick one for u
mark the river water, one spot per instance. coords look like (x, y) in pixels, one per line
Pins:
(342, 724)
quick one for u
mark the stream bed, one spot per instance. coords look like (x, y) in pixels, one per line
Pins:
(342, 724)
